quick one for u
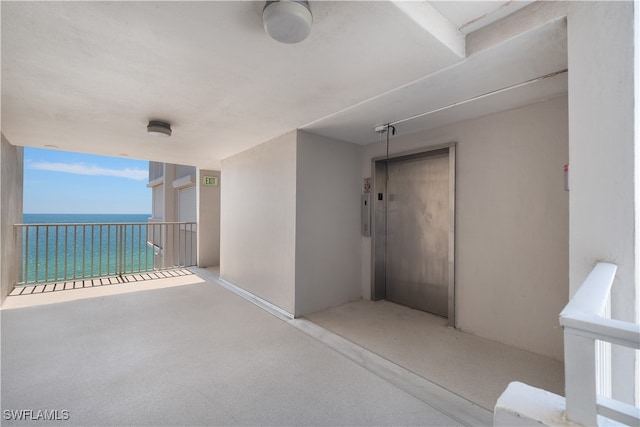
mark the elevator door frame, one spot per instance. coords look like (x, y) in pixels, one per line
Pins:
(378, 285)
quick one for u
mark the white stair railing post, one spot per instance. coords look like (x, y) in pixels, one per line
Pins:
(580, 384)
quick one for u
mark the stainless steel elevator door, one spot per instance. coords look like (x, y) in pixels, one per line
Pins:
(417, 252)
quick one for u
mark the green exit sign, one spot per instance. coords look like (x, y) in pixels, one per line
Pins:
(210, 180)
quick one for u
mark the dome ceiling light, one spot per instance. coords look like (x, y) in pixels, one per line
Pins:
(159, 127)
(287, 21)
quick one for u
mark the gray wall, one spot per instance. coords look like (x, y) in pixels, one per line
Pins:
(290, 222)
(258, 212)
(184, 170)
(289, 230)
(512, 222)
(12, 160)
(208, 211)
(327, 223)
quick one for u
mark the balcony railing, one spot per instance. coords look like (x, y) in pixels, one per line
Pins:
(584, 324)
(70, 252)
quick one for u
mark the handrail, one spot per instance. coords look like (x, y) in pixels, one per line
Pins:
(583, 324)
(105, 223)
(610, 330)
(79, 251)
(591, 297)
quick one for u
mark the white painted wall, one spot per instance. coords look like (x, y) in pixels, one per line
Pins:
(603, 146)
(258, 208)
(290, 222)
(327, 223)
(208, 220)
(512, 222)
(11, 177)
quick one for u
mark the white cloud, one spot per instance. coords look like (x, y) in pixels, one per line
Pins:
(80, 169)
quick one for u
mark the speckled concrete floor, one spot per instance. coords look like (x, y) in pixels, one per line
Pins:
(194, 354)
(470, 366)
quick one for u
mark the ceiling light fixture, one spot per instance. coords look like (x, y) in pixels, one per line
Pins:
(159, 127)
(287, 21)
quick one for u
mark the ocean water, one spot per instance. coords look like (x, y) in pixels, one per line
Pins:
(30, 218)
(57, 247)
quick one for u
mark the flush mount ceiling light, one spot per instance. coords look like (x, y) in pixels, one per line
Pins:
(158, 127)
(287, 21)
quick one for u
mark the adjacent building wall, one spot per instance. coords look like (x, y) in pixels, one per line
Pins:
(603, 147)
(327, 223)
(257, 236)
(174, 199)
(11, 185)
(512, 222)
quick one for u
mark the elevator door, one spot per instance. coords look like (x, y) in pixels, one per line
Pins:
(417, 233)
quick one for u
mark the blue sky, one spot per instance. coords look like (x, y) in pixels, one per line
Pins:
(63, 182)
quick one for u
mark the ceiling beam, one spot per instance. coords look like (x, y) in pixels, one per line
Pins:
(435, 23)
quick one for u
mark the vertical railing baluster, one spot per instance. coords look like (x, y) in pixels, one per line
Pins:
(139, 247)
(84, 234)
(130, 270)
(19, 253)
(75, 251)
(92, 273)
(57, 250)
(100, 252)
(46, 252)
(66, 255)
(146, 247)
(109, 249)
(124, 250)
(37, 253)
(163, 247)
(121, 250)
(117, 249)
(26, 263)
(176, 248)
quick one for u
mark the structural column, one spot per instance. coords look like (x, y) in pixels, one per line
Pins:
(603, 198)
(208, 217)
(169, 214)
(11, 184)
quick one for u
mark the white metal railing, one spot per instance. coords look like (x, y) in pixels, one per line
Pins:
(583, 323)
(68, 252)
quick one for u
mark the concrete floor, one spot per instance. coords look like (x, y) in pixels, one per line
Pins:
(198, 354)
(470, 366)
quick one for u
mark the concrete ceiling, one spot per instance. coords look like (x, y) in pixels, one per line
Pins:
(87, 76)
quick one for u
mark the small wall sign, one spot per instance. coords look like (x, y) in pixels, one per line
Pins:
(366, 189)
(210, 180)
